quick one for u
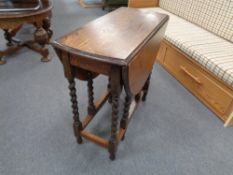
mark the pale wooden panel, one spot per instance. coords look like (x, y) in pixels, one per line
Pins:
(143, 3)
(211, 91)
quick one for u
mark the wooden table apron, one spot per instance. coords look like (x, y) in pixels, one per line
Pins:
(132, 73)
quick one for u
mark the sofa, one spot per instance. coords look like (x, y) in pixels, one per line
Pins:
(198, 49)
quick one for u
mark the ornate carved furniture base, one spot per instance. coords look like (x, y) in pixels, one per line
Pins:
(89, 52)
(42, 38)
(11, 23)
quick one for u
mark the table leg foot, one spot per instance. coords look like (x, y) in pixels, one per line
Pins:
(112, 156)
(44, 52)
(80, 140)
(77, 133)
(45, 57)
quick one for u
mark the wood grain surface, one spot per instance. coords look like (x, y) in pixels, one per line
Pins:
(118, 35)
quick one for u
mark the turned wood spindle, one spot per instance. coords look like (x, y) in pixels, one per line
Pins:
(91, 105)
(109, 87)
(77, 122)
(113, 139)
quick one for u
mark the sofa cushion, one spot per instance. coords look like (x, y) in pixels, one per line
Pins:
(209, 50)
(213, 15)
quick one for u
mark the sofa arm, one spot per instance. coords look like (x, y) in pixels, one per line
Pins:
(143, 3)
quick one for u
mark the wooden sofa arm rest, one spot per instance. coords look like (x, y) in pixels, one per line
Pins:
(143, 3)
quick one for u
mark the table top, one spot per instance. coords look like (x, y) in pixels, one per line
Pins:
(115, 37)
(23, 9)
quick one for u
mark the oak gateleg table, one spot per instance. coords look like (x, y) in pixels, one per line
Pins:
(121, 45)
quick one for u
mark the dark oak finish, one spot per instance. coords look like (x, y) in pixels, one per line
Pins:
(116, 86)
(91, 105)
(97, 38)
(121, 45)
(140, 67)
(11, 22)
(77, 122)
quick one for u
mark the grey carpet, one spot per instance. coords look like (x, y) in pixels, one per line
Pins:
(172, 133)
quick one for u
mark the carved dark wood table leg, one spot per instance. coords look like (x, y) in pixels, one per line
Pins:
(91, 105)
(109, 87)
(115, 93)
(77, 122)
(89, 52)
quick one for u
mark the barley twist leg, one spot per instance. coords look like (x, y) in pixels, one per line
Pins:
(77, 123)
